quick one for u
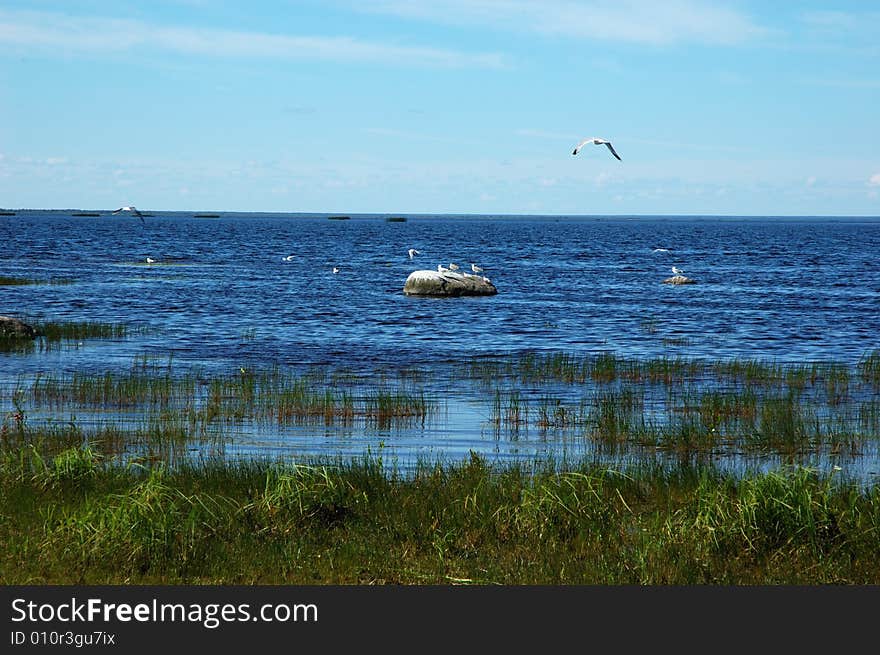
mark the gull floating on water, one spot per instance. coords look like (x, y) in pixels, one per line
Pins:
(133, 210)
(595, 141)
(335, 270)
(412, 252)
(289, 258)
(150, 260)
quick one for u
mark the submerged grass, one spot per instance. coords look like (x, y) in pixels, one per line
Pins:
(50, 334)
(267, 396)
(687, 405)
(11, 281)
(75, 518)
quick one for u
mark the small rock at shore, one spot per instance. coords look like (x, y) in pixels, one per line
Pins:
(448, 284)
(679, 279)
(13, 328)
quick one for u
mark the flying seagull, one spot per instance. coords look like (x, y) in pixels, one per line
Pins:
(412, 252)
(597, 142)
(133, 210)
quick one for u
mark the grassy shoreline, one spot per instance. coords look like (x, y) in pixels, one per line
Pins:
(106, 502)
(69, 519)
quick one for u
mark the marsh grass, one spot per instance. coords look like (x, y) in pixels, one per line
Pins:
(869, 368)
(194, 401)
(603, 402)
(75, 518)
(51, 334)
(685, 405)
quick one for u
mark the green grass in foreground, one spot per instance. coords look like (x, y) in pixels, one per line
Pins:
(69, 519)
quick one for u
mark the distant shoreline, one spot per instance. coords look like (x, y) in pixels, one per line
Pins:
(394, 217)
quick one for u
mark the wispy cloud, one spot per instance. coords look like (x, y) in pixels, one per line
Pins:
(848, 83)
(841, 31)
(842, 22)
(874, 180)
(59, 33)
(546, 134)
(633, 21)
(409, 135)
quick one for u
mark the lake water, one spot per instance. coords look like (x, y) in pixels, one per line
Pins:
(221, 295)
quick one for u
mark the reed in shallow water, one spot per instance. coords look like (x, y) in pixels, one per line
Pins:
(672, 404)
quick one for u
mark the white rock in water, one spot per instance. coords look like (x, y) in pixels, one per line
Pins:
(678, 279)
(447, 283)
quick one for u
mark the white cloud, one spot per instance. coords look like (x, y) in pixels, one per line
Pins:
(874, 180)
(602, 179)
(634, 21)
(811, 181)
(66, 34)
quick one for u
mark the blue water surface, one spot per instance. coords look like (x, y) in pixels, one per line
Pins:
(222, 295)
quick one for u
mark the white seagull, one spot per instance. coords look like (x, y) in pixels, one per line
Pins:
(412, 252)
(335, 270)
(677, 271)
(150, 260)
(133, 210)
(441, 268)
(289, 258)
(595, 141)
(476, 269)
(453, 267)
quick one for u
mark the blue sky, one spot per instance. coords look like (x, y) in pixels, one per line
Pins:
(443, 106)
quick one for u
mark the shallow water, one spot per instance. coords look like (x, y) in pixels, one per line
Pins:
(222, 296)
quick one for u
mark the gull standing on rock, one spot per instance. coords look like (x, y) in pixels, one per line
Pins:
(677, 271)
(475, 268)
(595, 141)
(453, 267)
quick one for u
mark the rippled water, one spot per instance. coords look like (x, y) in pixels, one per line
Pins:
(221, 295)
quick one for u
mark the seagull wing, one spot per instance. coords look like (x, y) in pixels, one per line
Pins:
(139, 215)
(611, 148)
(578, 147)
